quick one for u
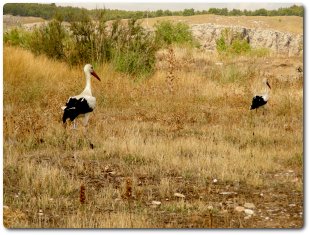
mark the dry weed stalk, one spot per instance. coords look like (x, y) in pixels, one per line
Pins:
(128, 189)
(82, 194)
(172, 63)
(128, 195)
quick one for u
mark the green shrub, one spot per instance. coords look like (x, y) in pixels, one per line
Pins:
(17, 37)
(129, 47)
(133, 50)
(83, 42)
(232, 43)
(221, 45)
(240, 46)
(167, 33)
(49, 40)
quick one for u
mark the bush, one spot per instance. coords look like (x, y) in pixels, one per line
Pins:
(232, 43)
(221, 45)
(133, 49)
(82, 42)
(129, 47)
(49, 40)
(240, 46)
(17, 37)
(167, 33)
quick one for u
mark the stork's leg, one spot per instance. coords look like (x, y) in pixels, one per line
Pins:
(75, 138)
(74, 125)
(85, 130)
(264, 110)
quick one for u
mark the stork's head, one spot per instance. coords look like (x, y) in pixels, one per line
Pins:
(88, 69)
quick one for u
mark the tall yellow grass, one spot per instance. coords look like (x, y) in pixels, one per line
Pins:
(163, 142)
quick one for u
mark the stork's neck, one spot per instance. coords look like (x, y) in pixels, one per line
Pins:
(87, 90)
(266, 93)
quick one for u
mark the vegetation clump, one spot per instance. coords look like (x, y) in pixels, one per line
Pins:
(167, 33)
(232, 42)
(128, 47)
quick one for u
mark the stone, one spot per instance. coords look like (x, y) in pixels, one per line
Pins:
(249, 205)
(248, 211)
(239, 208)
(279, 42)
(227, 193)
(157, 203)
(180, 195)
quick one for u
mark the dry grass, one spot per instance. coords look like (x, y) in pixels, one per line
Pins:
(293, 24)
(150, 144)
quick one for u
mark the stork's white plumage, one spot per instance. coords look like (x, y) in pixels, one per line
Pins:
(83, 104)
(262, 99)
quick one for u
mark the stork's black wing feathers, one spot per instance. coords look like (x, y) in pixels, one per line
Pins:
(75, 107)
(257, 102)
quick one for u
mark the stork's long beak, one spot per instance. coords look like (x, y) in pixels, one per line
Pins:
(268, 85)
(95, 75)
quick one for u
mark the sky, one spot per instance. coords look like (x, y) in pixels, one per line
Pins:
(176, 5)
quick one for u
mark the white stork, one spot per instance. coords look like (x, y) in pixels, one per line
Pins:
(262, 99)
(83, 104)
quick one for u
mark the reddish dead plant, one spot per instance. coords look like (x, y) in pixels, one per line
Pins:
(82, 194)
(128, 189)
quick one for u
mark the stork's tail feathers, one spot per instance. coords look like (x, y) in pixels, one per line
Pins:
(65, 117)
(69, 113)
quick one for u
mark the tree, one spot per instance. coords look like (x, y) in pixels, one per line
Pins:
(188, 12)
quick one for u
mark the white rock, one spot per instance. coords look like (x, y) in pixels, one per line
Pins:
(249, 205)
(210, 207)
(227, 193)
(239, 208)
(157, 203)
(214, 180)
(280, 42)
(248, 211)
(179, 195)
